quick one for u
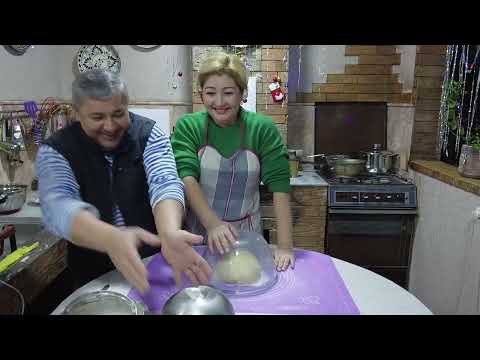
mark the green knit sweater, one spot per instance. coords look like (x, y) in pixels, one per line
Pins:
(261, 136)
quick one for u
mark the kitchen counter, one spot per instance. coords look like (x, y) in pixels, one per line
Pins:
(308, 200)
(38, 269)
(308, 178)
(28, 214)
(446, 173)
(35, 272)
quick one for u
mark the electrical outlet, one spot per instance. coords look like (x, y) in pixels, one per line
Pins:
(476, 212)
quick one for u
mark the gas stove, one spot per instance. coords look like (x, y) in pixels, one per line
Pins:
(371, 192)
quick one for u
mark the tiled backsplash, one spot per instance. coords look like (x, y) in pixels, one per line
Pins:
(301, 129)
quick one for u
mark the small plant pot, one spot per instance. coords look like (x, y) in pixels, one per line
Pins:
(469, 163)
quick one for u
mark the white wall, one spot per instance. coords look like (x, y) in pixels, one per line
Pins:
(150, 76)
(400, 119)
(406, 69)
(310, 64)
(47, 70)
(32, 76)
(445, 272)
(316, 61)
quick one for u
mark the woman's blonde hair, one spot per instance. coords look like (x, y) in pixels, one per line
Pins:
(222, 63)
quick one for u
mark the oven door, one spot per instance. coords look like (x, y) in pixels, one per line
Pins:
(379, 240)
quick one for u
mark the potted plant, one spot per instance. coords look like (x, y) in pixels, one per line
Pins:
(469, 163)
(469, 160)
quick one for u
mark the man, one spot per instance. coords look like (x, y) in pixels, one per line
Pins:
(108, 182)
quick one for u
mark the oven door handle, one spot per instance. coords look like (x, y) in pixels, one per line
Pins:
(373, 211)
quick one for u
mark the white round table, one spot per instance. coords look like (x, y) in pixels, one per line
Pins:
(372, 293)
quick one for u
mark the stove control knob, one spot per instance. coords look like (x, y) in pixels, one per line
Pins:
(389, 197)
(354, 197)
(365, 197)
(377, 197)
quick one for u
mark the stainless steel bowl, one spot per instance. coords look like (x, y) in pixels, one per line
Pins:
(103, 303)
(12, 198)
(198, 300)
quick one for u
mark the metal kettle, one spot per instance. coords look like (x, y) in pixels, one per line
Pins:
(380, 162)
(373, 159)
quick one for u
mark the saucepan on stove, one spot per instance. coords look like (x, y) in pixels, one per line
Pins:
(326, 162)
(341, 165)
(349, 167)
(380, 161)
(12, 198)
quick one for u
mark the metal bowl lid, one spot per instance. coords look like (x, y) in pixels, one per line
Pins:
(198, 300)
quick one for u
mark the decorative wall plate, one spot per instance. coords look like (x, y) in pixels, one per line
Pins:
(97, 57)
(17, 50)
(145, 48)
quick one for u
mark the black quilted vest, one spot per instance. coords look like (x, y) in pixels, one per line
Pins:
(128, 187)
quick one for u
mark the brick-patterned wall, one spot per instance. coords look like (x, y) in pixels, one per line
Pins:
(309, 215)
(269, 60)
(429, 70)
(369, 80)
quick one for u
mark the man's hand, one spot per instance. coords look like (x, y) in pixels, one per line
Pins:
(178, 252)
(123, 251)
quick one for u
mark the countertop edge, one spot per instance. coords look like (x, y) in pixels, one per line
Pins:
(447, 174)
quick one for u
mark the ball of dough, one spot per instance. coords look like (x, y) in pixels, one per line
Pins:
(239, 267)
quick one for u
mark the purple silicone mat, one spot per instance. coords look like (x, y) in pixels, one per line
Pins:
(314, 287)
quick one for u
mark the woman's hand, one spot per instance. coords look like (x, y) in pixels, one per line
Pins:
(282, 258)
(220, 236)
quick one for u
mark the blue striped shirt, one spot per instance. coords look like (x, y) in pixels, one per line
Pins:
(59, 191)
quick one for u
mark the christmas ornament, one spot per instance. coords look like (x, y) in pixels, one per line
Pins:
(276, 90)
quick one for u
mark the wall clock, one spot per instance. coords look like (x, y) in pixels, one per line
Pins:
(97, 57)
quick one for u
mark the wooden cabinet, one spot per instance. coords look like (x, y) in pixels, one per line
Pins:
(309, 213)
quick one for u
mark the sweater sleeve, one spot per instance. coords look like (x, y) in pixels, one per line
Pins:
(59, 192)
(275, 171)
(186, 141)
(162, 177)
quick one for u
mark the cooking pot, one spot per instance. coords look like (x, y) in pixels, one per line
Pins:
(198, 300)
(326, 162)
(12, 198)
(380, 161)
(349, 167)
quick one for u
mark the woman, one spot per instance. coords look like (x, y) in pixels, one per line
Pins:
(223, 153)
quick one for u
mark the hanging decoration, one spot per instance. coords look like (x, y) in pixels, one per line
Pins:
(458, 104)
(276, 90)
(299, 65)
(97, 57)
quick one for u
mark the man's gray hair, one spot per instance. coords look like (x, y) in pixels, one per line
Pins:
(99, 85)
